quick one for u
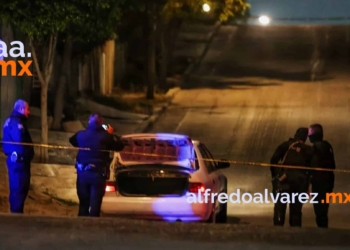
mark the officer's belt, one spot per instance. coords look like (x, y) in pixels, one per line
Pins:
(18, 157)
(90, 167)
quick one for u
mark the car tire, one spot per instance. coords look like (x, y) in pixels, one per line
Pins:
(221, 217)
(212, 218)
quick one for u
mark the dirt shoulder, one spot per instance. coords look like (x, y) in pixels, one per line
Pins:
(37, 202)
(106, 231)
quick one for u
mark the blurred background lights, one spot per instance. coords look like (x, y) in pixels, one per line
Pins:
(206, 7)
(264, 20)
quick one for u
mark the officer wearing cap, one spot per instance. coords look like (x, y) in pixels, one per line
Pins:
(19, 156)
(322, 182)
(293, 152)
(93, 165)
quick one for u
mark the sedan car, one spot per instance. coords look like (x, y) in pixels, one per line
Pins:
(167, 177)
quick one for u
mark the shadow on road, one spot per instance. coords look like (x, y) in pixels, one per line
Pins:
(276, 74)
(227, 75)
(195, 82)
(234, 220)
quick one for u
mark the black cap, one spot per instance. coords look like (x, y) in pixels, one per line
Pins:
(316, 132)
(301, 134)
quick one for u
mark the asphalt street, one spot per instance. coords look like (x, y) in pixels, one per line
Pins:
(42, 232)
(242, 108)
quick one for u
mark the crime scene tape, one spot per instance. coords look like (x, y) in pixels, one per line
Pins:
(171, 156)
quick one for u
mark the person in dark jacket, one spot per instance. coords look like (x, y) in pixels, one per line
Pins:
(93, 165)
(322, 182)
(293, 152)
(19, 156)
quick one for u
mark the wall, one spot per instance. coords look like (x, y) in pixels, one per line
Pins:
(56, 180)
(57, 155)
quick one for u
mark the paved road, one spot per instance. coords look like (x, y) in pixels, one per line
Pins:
(242, 112)
(40, 232)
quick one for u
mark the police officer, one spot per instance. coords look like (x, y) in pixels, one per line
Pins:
(19, 156)
(322, 182)
(293, 152)
(93, 165)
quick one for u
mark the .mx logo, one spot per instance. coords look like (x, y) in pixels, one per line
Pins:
(14, 52)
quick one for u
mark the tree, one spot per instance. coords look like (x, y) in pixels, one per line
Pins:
(94, 22)
(41, 21)
(159, 15)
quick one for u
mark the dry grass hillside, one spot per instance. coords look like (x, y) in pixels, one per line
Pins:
(38, 202)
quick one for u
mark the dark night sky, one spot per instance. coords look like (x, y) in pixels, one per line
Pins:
(301, 9)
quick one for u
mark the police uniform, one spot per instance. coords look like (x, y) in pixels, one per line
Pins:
(292, 152)
(93, 166)
(18, 159)
(322, 181)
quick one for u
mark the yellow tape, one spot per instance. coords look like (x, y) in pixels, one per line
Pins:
(204, 159)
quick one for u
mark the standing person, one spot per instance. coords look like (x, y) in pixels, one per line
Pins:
(322, 182)
(19, 156)
(293, 152)
(93, 165)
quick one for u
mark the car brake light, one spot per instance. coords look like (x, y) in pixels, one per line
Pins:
(110, 187)
(195, 187)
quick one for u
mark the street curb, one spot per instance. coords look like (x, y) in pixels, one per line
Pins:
(157, 112)
(200, 232)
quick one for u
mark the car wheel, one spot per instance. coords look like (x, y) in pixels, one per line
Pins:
(221, 217)
(212, 218)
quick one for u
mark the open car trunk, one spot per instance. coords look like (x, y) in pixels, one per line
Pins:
(152, 180)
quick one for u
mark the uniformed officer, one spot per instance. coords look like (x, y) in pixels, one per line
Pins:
(293, 152)
(322, 182)
(19, 157)
(93, 165)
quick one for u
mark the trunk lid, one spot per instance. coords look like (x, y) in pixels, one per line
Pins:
(154, 165)
(169, 148)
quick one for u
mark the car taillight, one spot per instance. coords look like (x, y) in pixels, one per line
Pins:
(195, 187)
(110, 187)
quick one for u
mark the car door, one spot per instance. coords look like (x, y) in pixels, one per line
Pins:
(217, 175)
(210, 166)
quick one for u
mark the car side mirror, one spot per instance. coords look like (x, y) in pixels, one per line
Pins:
(223, 164)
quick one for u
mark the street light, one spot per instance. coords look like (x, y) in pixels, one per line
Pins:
(206, 7)
(264, 20)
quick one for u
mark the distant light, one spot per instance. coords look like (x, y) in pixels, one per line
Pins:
(206, 7)
(264, 20)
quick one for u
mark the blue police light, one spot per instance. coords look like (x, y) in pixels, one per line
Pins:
(168, 208)
(1, 57)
